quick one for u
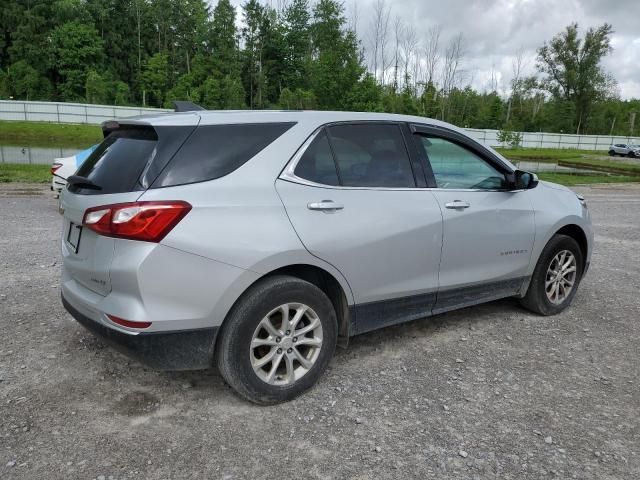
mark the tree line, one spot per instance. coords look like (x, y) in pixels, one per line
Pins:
(296, 55)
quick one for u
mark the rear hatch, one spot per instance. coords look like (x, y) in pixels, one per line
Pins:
(119, 170)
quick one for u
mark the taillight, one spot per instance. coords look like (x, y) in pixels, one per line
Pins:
(55, 167)
(145, 221)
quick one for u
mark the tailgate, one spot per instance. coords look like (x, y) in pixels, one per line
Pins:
(86, 255)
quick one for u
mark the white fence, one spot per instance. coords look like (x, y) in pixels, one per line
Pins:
(67, 112)
(96, 114)
(553, 140)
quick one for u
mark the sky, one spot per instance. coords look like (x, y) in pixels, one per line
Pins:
(494, 30)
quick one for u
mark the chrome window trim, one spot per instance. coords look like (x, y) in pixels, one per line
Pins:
(288, 174)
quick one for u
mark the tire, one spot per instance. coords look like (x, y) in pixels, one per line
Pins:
(536, 298)
(235, 355)
(612, 153)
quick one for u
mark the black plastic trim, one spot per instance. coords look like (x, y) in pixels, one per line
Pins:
(176, 350)
(366, 317)
(374, 315)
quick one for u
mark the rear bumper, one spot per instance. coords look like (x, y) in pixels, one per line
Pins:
(174, 350)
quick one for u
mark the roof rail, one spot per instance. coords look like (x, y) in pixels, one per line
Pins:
(186, 106)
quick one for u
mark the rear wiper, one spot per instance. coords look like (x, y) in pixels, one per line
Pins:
(83, 182)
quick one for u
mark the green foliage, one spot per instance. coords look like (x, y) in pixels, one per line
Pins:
(153, 78)
(573, 70)
(511, 138)
(75, 48)
(152, 52)
(25, 82)
(96, 89)
(298, 99)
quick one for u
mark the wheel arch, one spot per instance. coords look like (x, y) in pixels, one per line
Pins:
(579, 235)
(325, 281)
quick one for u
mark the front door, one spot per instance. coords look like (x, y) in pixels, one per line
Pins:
(488, 230)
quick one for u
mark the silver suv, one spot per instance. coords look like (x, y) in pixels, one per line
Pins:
(258, 241)
(624, 150)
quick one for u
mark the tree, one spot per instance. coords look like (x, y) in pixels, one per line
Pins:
(96, 89)
(223, 39)
(154, 77)
(297, 41)
(573, 71)
(336, 66)
(26, 83)
(75, 49)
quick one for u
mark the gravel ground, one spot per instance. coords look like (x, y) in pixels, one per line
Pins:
(486, 392)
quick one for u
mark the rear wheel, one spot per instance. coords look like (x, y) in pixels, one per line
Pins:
(278, 340)
(556, 277)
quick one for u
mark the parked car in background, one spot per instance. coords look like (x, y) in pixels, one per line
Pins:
(258, 241)
(62, 168)
(624, 150)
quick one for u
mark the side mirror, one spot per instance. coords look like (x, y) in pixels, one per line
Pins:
(521, 180)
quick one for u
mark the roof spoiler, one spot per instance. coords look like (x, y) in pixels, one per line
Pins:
(185, 106)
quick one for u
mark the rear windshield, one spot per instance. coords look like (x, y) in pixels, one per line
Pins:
(213, 151)
(117, 163)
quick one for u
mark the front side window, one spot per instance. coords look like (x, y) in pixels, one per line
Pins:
(455, 167)
(371, 155)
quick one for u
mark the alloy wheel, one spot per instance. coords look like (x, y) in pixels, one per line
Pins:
(286, 344)
(561, 277)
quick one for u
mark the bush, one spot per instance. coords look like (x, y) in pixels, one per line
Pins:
(508, 137)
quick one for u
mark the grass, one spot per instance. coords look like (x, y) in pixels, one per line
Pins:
(24, 173)
(570, 179)
(41, 134)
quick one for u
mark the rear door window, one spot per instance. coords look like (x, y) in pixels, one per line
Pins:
(213, 151)
(116, 164)
(371, 155)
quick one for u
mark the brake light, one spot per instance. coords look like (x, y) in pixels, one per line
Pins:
(128, 323)
(144, 221)
(55, 167)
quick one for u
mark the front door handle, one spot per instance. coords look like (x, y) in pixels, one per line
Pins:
(457, 205)
(325, 205)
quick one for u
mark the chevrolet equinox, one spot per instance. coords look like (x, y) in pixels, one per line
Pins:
(258, 241)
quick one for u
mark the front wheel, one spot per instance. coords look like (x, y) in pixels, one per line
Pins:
(556, 277)
(612, 153)
(278, 340)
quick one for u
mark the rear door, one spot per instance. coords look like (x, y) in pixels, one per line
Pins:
(117, 168)
(351, 194)
(488, 229)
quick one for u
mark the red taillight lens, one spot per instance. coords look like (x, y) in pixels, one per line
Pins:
(55, 167)
(145, 221)
(128, 323)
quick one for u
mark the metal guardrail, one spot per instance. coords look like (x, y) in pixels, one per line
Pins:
(59, 112)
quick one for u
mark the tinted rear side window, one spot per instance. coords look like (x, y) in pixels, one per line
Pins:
(213, 151)
(371, 155)
(317, 163)
(116, 164)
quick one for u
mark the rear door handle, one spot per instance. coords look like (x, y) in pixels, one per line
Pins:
(325, 205)
(457, 204)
